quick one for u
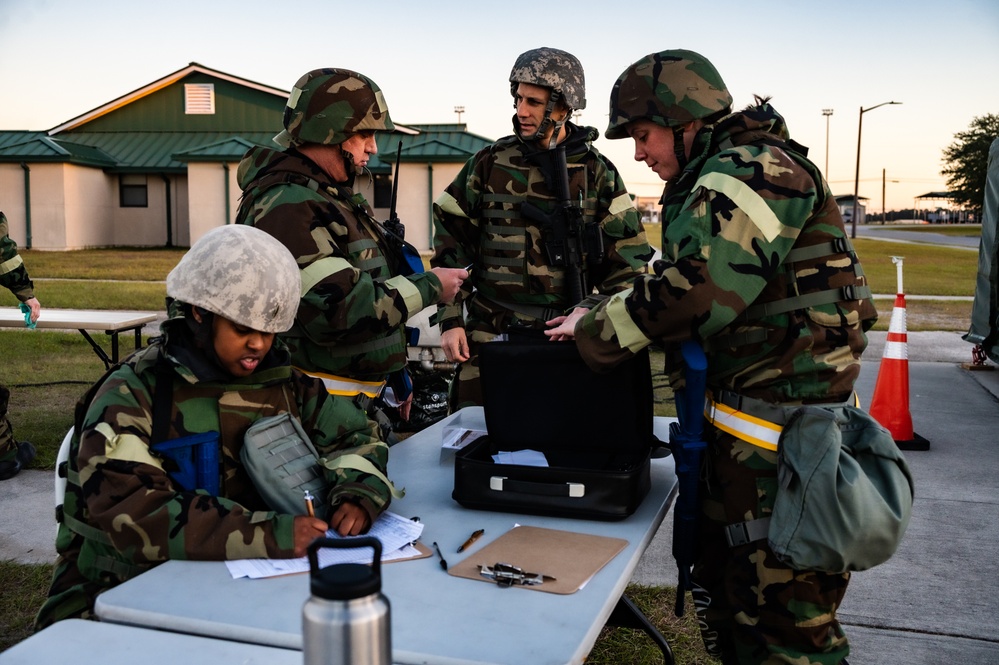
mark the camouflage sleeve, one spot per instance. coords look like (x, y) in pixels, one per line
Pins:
(340, 430)
(13, 274)
(131, 498)
(626, 247)
(341, 303)
(740, 220)
(456, 233)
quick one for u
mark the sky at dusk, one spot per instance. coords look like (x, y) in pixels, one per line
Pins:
(62, 58)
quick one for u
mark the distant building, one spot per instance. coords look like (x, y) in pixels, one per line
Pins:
(845, 203)
(157, 166)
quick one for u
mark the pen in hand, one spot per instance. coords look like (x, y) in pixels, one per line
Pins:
(440, 556)
(309, 508)
(471, 539)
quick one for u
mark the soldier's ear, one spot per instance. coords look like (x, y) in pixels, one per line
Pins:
(196, 313)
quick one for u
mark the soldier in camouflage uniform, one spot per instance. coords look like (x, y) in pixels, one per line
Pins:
(757, 266)
(14, 455)
(216, 370)
(350, 329)
(480, 220)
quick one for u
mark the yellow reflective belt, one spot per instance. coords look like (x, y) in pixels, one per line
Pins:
(742, 425)
(342, 385)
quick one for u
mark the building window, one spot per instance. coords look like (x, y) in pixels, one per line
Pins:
(383, 190)
(133, 191)
(199, 98)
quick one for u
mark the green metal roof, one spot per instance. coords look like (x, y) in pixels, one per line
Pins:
(434, 143)
(17, 136)
(44, 149)
(167, 152)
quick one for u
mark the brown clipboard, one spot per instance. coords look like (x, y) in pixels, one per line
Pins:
(423, 550)
(571, 558)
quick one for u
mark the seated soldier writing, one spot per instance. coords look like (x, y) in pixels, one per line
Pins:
(215, 371)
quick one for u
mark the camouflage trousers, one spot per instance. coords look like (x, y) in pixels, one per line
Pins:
(8, 447)
(753, 609)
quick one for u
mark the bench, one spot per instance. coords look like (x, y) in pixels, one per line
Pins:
(112, 322)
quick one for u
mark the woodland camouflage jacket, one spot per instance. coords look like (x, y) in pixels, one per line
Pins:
(478, 220)
(351, 320)
(730, 221)
(123, 513)
(13, 274)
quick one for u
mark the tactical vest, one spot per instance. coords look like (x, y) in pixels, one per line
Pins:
(514, 268)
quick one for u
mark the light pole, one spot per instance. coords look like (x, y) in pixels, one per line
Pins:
(856, 177)
(459, 110)
(827, 113)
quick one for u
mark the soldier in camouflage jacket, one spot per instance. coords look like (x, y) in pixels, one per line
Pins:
(124, 511)
(479, 220)
(756, 266)
(14, 455)
(350, 330)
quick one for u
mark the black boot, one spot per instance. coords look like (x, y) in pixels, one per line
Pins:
(25, 453)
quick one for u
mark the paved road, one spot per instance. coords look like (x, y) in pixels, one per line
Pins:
(876, 232)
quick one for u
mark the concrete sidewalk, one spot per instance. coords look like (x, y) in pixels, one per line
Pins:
(936, 601)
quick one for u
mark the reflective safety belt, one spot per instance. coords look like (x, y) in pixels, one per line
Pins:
(346, 386)
(743, 426)
(752, 420)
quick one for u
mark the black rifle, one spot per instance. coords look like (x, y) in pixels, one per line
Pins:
(568, 243)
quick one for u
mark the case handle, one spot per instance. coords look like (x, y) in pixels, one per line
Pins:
(504, 484)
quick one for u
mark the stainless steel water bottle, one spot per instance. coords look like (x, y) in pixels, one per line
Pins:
(346, 621)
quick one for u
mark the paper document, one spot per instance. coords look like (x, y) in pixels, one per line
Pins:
(396, 534)
(525, 457)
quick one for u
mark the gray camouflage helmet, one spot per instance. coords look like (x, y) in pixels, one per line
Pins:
(326, 106)
(670, 88)
(551, 68)
(242, 274)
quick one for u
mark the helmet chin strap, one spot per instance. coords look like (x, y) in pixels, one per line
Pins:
(678, 148)
(348, 163)
(547, 122)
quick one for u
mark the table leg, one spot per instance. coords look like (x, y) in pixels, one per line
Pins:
(97, 349)
(627, 615)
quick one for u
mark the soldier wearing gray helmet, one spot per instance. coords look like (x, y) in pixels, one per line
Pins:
(216, 371)
(350, 328)
(482, 219)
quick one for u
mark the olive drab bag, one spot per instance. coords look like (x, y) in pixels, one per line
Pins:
(845, 491)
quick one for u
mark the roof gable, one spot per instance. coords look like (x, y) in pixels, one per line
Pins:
(42, 148)
(240, 105)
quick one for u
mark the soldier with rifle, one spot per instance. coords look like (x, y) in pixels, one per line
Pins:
(358, 290)
(542, 218)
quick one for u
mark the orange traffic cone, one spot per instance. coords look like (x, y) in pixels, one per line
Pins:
(890, 404)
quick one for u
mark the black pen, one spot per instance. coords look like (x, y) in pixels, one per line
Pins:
(440, 556)
(471, 539)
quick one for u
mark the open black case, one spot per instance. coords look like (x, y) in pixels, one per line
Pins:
(594, 429)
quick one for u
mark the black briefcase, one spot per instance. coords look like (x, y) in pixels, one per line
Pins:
(594, 429)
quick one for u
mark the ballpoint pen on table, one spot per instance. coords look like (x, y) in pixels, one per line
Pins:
(471, 539)
(308, 503)
(440, 556)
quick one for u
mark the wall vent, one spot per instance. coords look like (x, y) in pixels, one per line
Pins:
(199, 98)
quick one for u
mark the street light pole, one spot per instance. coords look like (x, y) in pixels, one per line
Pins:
(459, 110)
(856, 176)
(827, 113)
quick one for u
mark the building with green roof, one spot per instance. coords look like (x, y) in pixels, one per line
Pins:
(157, 167)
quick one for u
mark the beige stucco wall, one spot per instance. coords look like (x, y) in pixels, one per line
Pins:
(207, 196)
(88, 207)
(12, 201)
(48, 201)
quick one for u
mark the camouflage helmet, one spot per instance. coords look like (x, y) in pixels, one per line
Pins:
(242, 274)
(551, 68)
(326, 106)
(670, 88)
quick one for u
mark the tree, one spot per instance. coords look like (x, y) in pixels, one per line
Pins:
(966, 159)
